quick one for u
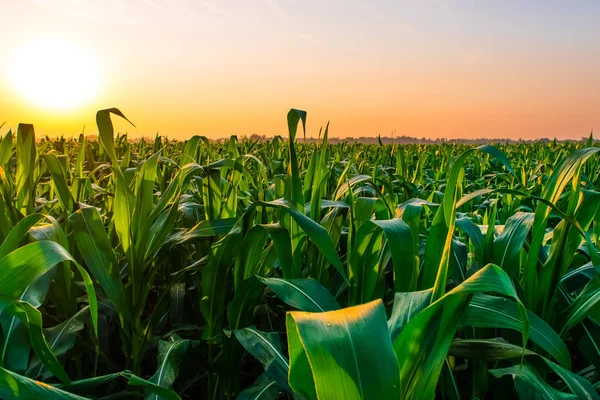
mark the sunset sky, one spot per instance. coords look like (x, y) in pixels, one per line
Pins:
(518, 69)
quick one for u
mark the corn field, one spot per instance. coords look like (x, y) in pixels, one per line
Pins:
(285, 269)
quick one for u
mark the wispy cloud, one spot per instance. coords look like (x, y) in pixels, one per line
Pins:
(112, 11)
(202, 8)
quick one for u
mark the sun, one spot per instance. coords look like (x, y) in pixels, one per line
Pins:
(53, 73)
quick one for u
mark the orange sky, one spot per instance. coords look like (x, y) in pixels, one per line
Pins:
(428, 68)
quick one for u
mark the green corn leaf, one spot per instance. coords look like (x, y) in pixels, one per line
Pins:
(6, 148)
(123, 210)
(124, 198)
(553, 188)
(32, 320)
(60, 181)
(265, 388)
(477, 239)
(204, 229)
(498, 155)
(16, 345)
(158, 233)
(303, 294)
(61, 338)
(317, 233)
(25, 264)
(63, 295)
(170, 353)
(177, 302)
(99, 257)
(106, 131)
(240, 310)
(583, 305)
(27, 168)
(486, 349)
(342, 354)
(366, 271)
(15, 386)
(406, 307)
(84, 385)
(486, 311)
(423, 343)
(190, 152)
(18, 233)
(294, 183)
(252, 248)
(434, 250)
(266, 348)
(509, 243)
(214, 279)
(530, 384)
(144, 196)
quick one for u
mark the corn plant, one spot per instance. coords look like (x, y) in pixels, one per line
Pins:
(288, 268)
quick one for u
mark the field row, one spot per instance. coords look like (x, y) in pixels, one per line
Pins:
(285, 269)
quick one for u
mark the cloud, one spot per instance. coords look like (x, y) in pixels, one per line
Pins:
(91, 11)
(186, 9)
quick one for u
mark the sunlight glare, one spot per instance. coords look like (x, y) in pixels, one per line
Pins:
(53, 73)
